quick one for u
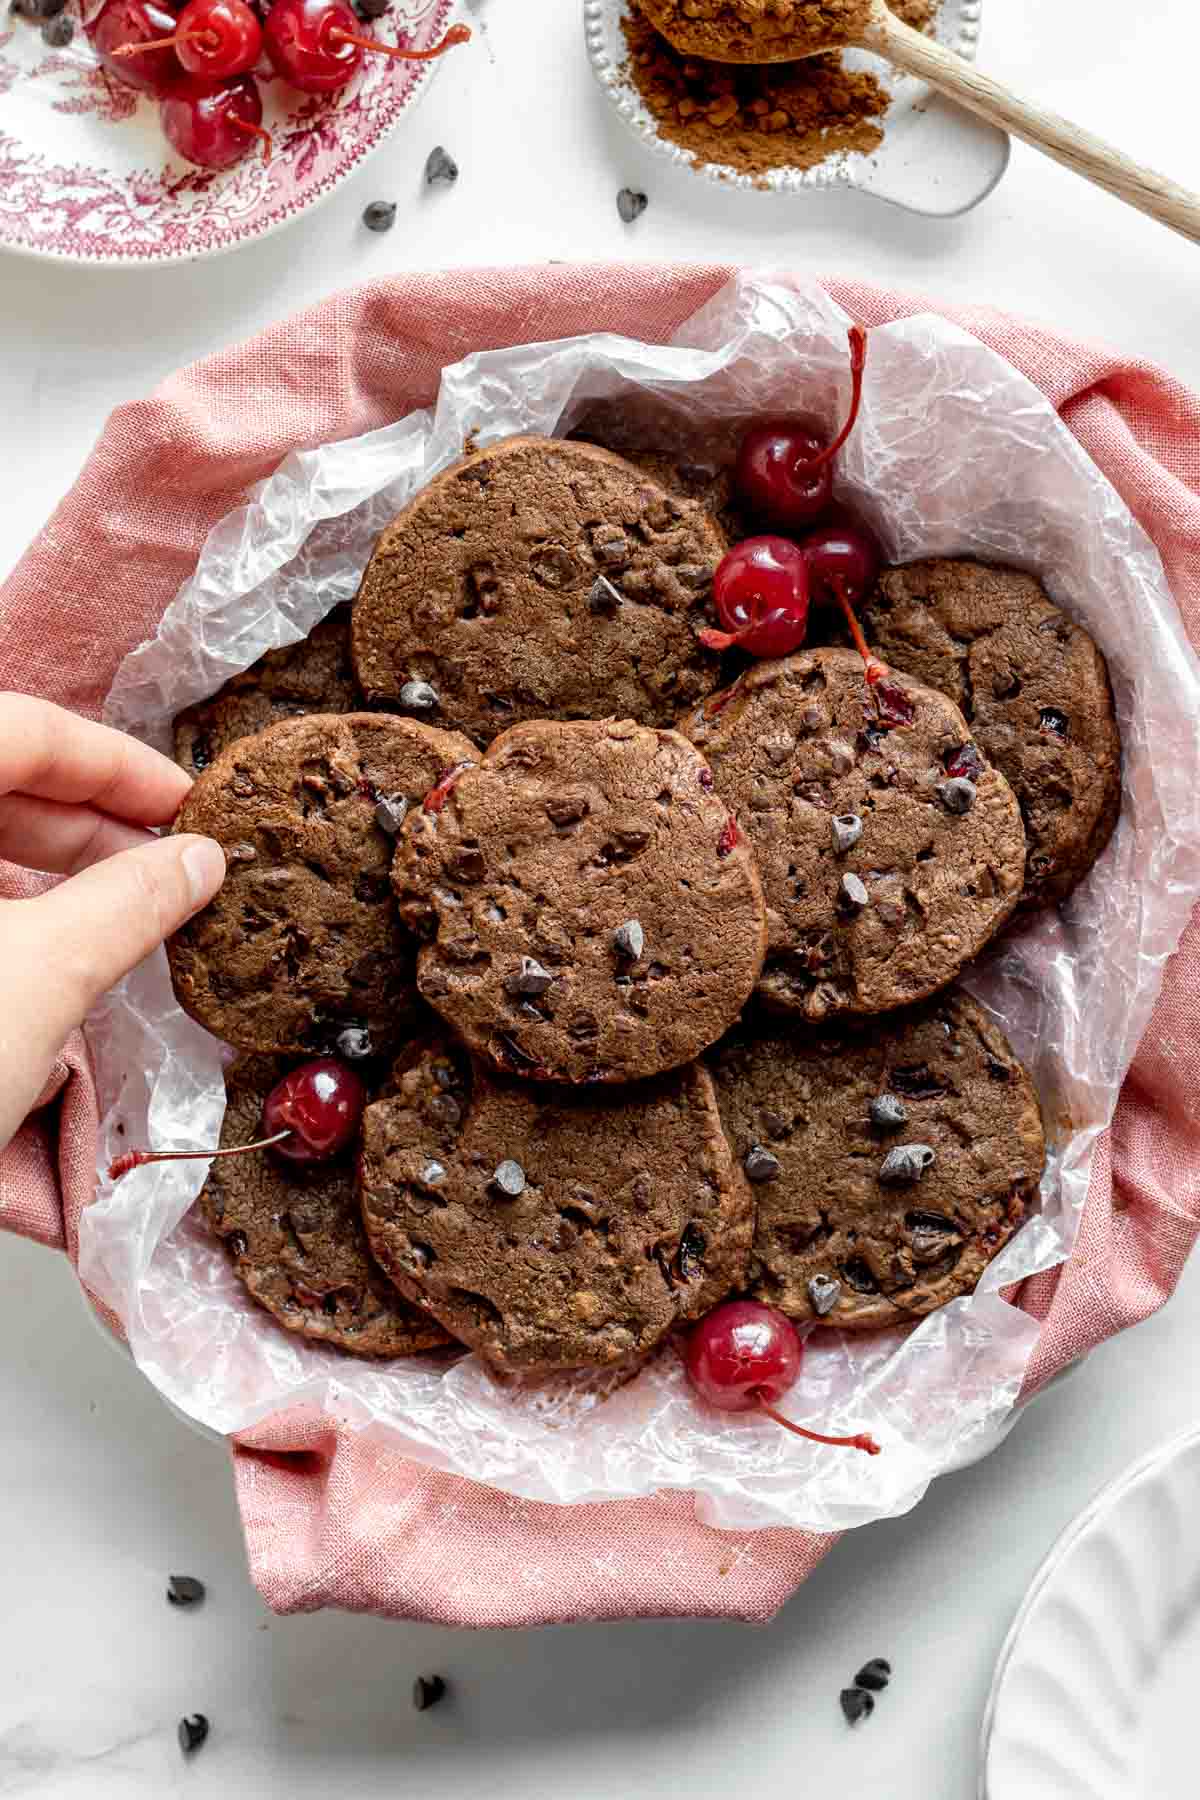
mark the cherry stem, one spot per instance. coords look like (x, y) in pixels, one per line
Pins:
(457, 34)
(137, 1159)
(876, 670)
(258, 132)
(168, 43)
(858, 362)
(863, 1440)
(726, 640)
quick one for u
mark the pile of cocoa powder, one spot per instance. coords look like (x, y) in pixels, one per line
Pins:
(757, 117)
(756, 30)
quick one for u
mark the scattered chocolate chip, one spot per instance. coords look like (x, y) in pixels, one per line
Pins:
(957, 795)
(529, 981)
(192, 1733)
(243, 853)
(631, 205)
(917, 1082)
(509, 1179)
(184, 1590)
(629, 940)
(427, 1691)
(380, 215)
(875, 1674)
(554, 567)
(1055, 722)
(418, 696)
(391, 810)
(610, 546)
(603, 597)
(58, 31)
(846, 829)
(931, 1235)
(906, 1163)
(760, 1164)
(823, 1291)
(354, 1044)
(433, 1172)
(998, 1071)
(887, 1112)
(859, 1274)
(692, 1246)
(441, 170)
(856, 1704)
(852, 894)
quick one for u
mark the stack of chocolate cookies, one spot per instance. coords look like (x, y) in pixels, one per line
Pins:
(647, 969)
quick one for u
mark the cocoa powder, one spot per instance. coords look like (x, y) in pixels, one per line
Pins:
(759, 117)
(757, 30)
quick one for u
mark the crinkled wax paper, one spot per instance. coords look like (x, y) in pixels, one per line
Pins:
(956, 454)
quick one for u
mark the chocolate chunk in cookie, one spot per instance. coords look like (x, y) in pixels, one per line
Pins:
(908, 1155)
(313, 676)
(296, 1236)
(541, 579)
(805, 752)
(591, 911)
(551, 1228)
(303, 940)
(1034, 689)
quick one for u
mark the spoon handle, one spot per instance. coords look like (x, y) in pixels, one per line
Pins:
(1068, 144)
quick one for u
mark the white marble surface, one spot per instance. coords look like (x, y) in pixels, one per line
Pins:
(104, 1492)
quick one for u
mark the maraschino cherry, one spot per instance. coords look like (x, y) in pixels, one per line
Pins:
(124, 25)
(842, 561)
(317, 45)
(760, 591)
(784, 470)
(214, 124)
(743, 1357)
(213, 38)
(310, 1116)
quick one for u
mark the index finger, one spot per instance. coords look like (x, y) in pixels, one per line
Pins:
(53, 754)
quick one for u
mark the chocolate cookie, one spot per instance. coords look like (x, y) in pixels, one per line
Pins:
(540, 579)
(297, 1240)
(552, 1229)
(884, 869)
(1035, 691)
(594, 915)
(312, 676)
(889, 1165)
(303, 939)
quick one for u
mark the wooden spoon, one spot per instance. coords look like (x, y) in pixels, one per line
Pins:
(869, 25)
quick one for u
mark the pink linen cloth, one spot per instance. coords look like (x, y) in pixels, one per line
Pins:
(332, 1519)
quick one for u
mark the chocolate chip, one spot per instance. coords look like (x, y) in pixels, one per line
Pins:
(859, 1274)
(998, 1071)
(957, 795)
(241, 787)
(631, 205)
(238, 1243)
(391, 810)
(380, 215)
(354, 1044)
(433, 1172)
(931, 1235)
(629, 940)
(692, 1246)
(852, 895)
(202, 750)
(554, 567)
(441, 170)
(823, 1292)
(905, 1164)
(1055, 722)
(887, 1112)
(184, 1590)
(846, 829)
(529, 981)
(509, 1179)
(760, 1164)
(445, 1108)
(603, 597)
(856, 1704)
(419, 697)
(874, 1674)
(192, 1733)
(610, 546)
(243, 853)
(566, 809)
(427, 1691)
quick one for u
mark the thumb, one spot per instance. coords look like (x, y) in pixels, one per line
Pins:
(67, 947)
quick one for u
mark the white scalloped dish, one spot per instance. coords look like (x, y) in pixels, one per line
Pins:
(935, 158)
(1094, 1695)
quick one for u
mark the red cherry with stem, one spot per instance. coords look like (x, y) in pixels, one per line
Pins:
(317, 45)
(214, 124)
(743, 1357)
(215, 38)
(310, 1116)
(761, 594)
(127, 24)
(784, 469)
(843, 561)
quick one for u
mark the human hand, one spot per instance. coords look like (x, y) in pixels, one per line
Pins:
(77, 799)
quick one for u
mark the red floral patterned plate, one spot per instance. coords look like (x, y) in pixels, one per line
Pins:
(86, 175)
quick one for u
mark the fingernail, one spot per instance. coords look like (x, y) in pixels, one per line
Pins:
(204, 867)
